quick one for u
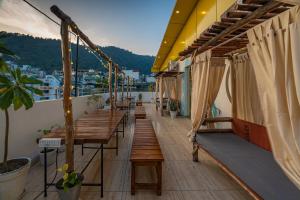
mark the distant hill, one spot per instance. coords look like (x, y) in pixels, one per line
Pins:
(46, 54)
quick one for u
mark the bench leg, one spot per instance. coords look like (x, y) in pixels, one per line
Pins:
(132, 178)
(195, 152)
(159, 178)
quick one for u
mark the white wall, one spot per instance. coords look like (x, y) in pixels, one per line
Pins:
(147, 96)
(24, 125)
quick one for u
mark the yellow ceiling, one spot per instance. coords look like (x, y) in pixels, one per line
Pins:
(176, 24)
(189, 18)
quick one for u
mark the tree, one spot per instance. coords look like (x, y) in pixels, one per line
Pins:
(15, 89)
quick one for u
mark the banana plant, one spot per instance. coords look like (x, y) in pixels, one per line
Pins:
(16, 89)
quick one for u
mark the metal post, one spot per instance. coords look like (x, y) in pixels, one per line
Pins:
(76, 67)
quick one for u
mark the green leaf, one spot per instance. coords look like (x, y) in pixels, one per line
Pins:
(13, 74)
(17, 101)
(35, 90)
(30, 80)
(5, 51)
(3, 66)
(5, 80)
(18, 74)
(6, 99)
(26, 98)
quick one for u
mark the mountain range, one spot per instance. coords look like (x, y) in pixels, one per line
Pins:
(46, 54)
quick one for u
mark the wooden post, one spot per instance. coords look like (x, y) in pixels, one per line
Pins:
(233, 89)
(110, 84)
(116, 85)
(127, 86)
(67, 100)
(123, 80)
(130, 88)
(161, 95)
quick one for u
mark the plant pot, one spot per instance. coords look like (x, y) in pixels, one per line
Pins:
(173, 114)
(51, 156)
(72, 193)
(12, 183)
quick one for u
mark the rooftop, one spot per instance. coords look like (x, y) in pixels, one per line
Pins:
(182, 178)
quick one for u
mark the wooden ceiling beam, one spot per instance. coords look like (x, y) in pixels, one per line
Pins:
(64, 17)
(256, 14)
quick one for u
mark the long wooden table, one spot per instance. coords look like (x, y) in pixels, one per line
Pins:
(125, 106)
(93, 128)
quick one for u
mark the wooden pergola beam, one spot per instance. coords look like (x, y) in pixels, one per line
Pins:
(239, 24)
(67, 99)
(64, 17)
(116, 86)
(123, 81)
(110, 66)
(127, 86)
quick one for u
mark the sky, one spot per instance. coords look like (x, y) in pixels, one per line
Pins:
(135, 25)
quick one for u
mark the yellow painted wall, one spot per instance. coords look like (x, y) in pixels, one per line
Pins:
(204, 15)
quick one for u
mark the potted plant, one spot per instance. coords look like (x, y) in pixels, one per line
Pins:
(140, 96)
(15, 90)
(173, 108)
(107, 102)
(139, 102)
(69, 186)
(95, 99)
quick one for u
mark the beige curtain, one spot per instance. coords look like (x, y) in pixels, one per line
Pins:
(245, 100)
(215, 79)
(170, 86)
(206, 74)
(178, 91)
(156, 87)
(274, 50)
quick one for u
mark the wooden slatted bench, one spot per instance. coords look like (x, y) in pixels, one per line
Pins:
(140, 112)
(146, 152)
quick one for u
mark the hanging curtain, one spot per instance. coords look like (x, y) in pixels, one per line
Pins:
(274, 50)
(245, 102)
(206, 74)
(215, 79)
(170, 86)
(178, 90)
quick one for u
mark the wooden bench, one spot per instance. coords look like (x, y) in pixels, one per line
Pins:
(140, 112)
(145, 152)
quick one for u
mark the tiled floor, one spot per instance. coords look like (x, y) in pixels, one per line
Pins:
(183, 179)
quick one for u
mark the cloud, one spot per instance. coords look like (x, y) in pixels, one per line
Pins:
(17, 16)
